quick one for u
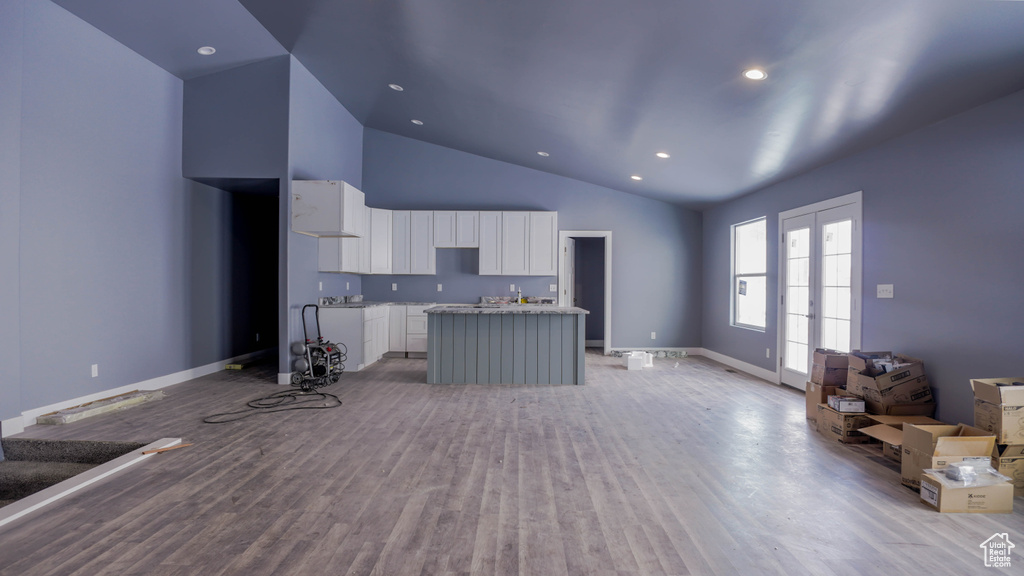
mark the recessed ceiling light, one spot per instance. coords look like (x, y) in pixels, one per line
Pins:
(662, 155)
(544, 154)
(637, 178)
(395, 87)
(755, 74)
(206, 50)
(418, 122)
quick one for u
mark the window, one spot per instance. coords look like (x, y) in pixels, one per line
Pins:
(749, 273)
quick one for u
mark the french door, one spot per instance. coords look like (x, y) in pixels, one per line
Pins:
(819, 284)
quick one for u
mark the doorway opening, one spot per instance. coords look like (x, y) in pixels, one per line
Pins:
(585, 280)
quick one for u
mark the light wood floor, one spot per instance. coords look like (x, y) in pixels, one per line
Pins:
(683, 469)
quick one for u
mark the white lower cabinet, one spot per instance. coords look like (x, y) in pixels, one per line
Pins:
(396, 334)
(408, 328)
(364, 331)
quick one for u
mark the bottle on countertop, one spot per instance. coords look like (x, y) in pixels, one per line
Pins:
(519, 296)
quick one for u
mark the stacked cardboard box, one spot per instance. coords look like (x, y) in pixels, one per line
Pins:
(828, 377)
(999, 409)
(890, 384)
(938, 445)
(945, 496)
(843, 427)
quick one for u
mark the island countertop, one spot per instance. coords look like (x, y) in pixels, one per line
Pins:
(506, 309)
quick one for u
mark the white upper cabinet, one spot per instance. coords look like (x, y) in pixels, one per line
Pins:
(364, 243)
(421, 243)
(515, 243)
(490, 243)
(444, 228)
(467, 229)
(400, 241)
(543, 260)
(380, 241)
(456, 229)
(339, 255)
(327, 208)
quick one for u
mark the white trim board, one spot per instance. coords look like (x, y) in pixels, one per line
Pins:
(742, 366)
(17, 424)
(34, 502)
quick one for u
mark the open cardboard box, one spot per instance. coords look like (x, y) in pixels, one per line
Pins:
(938, 445)
(999, 408)
(889, 431)
(890, 392)
(1009, 461)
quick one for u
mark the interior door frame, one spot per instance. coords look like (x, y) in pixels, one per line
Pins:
(563, 236)
(854, 199)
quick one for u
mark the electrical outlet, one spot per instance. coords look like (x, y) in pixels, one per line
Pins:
(511, 287)
(95, 370)
(552, 287)
(346, 285)
(321, 286)
(438, 287)
(767, 352)
(653, 335)
(257, 336)
(394, 286)
(885, 291)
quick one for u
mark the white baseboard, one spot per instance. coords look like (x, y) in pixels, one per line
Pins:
(682, 351)
(742, 366)
(17, 424)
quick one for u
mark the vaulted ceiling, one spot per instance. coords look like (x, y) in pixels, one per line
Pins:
(600, 86)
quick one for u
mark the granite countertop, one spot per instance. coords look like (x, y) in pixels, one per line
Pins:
(507, 309)
(369, 304)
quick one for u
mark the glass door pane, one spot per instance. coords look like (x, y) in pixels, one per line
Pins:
(836, 284)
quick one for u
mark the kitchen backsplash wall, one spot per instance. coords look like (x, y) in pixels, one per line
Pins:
(457, 272)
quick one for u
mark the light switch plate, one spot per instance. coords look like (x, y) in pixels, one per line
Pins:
(95, 370)
(438, 287)
(511, 287)
(885, 291)
(552, 287)
(321, 286)
(394, 286)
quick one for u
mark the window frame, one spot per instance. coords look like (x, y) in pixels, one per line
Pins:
(734, 277)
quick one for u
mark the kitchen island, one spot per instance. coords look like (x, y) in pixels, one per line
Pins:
(505, 344)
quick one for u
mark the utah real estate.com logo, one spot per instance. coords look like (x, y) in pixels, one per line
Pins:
(997, 550)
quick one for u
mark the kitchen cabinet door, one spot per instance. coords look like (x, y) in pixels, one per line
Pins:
(421, 243)
(444, 229)
(351, 253)
(543, 260)
(490, 243)
(380, 241)
(400, 241)
(467, 225)
(364, 243)
(328, 254)
(396, 328)
(515, 243)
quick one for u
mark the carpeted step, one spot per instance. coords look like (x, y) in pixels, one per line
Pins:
(22, 478)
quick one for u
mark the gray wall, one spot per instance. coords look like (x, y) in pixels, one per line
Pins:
(656, 254)
(942, 221)
(11, 34)
(109, 255)
(325, 143)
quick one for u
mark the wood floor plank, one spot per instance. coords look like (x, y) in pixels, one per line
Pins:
(686, 468)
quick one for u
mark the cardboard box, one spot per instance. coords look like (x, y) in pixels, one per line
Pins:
(937, 445)
(843, 427)
(905, 385)
(828, 376)
(889, 431)
(859, 361)
(999, 408)
(829, 367)
(1009, 461)
(817, 394)
(842, 403)
(994, 499)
